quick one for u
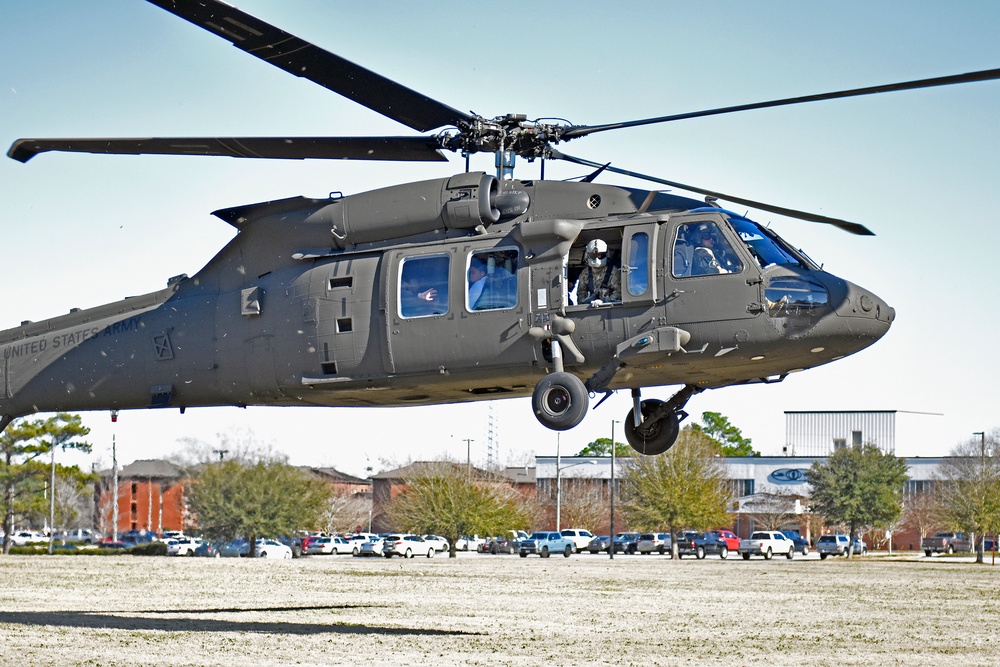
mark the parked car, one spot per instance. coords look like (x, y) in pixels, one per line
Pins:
(732, 541)
(687, 543)
(78, 536)
(183, 546)
(498, 544)
(801, 543)
(468, 543)
(834, 544)
(25, 537)
(712, 542)
(653, 542)
(358, 539)
(544, 543)
(441, 544)
(599, 544)
(578, 536)
(407, 546)
(329, 545)
(946, 543)
(208, 550)
(626, 543)
(235, 549)
(860, 546)
(767, 543)
(372, 547)
(272, 549)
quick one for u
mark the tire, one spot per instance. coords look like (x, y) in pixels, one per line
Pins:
(544, 553)
(724, 553)
(928, 552)
(408, 554)
(746, 556)
(356, 552)
(823, 556)
(524, 554)
(567, 551)
(791, 554)
(768, 554)
(431, 552)
(699, 553)
(805, 551)
(950, 550)
(387, 555)
(661, 550)
(652, 438)
(560, 401)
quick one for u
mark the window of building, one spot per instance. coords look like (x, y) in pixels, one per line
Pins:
(839, 443)
(423, 286)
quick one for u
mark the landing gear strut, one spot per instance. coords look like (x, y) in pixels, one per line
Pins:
(561, 399)
(652, 426)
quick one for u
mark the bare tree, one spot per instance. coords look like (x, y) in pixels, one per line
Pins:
(345, 512)
(923, 513)
(583, 504)
(971, 489)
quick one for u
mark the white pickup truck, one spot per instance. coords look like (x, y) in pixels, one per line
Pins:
(766, 543)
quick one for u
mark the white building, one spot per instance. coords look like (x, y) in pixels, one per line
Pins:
(893, 431)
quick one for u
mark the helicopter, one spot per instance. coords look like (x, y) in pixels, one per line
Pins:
(325, 301)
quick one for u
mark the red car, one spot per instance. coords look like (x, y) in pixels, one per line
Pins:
(729, 537)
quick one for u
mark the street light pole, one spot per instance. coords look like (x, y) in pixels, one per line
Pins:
(611, 494)
(982, 466)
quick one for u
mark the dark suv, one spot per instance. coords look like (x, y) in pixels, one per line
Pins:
(626, 543)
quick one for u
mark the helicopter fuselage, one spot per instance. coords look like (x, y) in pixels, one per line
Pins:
(365, 301)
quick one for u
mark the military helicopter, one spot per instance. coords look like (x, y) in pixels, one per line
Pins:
(457, 289)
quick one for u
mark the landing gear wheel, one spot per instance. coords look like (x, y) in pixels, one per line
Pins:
(653, 437)
(560, 401)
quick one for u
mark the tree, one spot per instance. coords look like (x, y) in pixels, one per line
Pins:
(970, 493)
(22, 473)
(684, 488)
(718, 428)
(602, 447)
(442, 498)
(924, 513)
(858, 486)
(268, 498)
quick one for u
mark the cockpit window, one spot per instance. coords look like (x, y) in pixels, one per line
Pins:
(700, 249)
(765, 247)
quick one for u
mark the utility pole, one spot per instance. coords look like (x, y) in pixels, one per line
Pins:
(114, 501)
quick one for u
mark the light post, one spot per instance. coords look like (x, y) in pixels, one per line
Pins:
(982, 470)
(611, 495)
(371, 497)
(468, 456)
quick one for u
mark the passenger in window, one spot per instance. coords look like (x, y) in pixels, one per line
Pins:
(477, 281)
(601, 280)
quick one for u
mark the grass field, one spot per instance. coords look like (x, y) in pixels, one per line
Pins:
(496, 610)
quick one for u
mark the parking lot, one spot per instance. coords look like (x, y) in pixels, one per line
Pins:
(495, 610)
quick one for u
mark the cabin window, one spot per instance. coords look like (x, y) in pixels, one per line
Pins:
(492, 279)
(701, 249)
(423, 286)
(637, 273)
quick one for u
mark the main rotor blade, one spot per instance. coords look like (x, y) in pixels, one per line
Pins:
(301, 58)
(852, 227)
(970, 77)
(414, 149)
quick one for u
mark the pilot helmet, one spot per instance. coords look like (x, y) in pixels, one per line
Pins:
(596, 253)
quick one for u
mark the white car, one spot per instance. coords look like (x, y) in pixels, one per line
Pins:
(440, 543)
(468, 543)
(358, 539)
(25, 537)
(766, 543)
(372, 547)
(183, 546)
(579, 537)
(329, 545)
(407, 546)
(273, 549)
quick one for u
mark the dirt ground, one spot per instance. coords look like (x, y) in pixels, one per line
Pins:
(496, 610)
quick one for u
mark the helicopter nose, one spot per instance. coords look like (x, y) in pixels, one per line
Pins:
(869, 316)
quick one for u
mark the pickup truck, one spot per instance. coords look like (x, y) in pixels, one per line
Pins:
(767, 543)
(545, 543)
(945, 543)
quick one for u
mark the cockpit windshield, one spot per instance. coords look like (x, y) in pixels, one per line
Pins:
(765, 246)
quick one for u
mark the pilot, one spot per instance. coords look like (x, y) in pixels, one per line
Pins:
(600, 281)
(709, 255)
